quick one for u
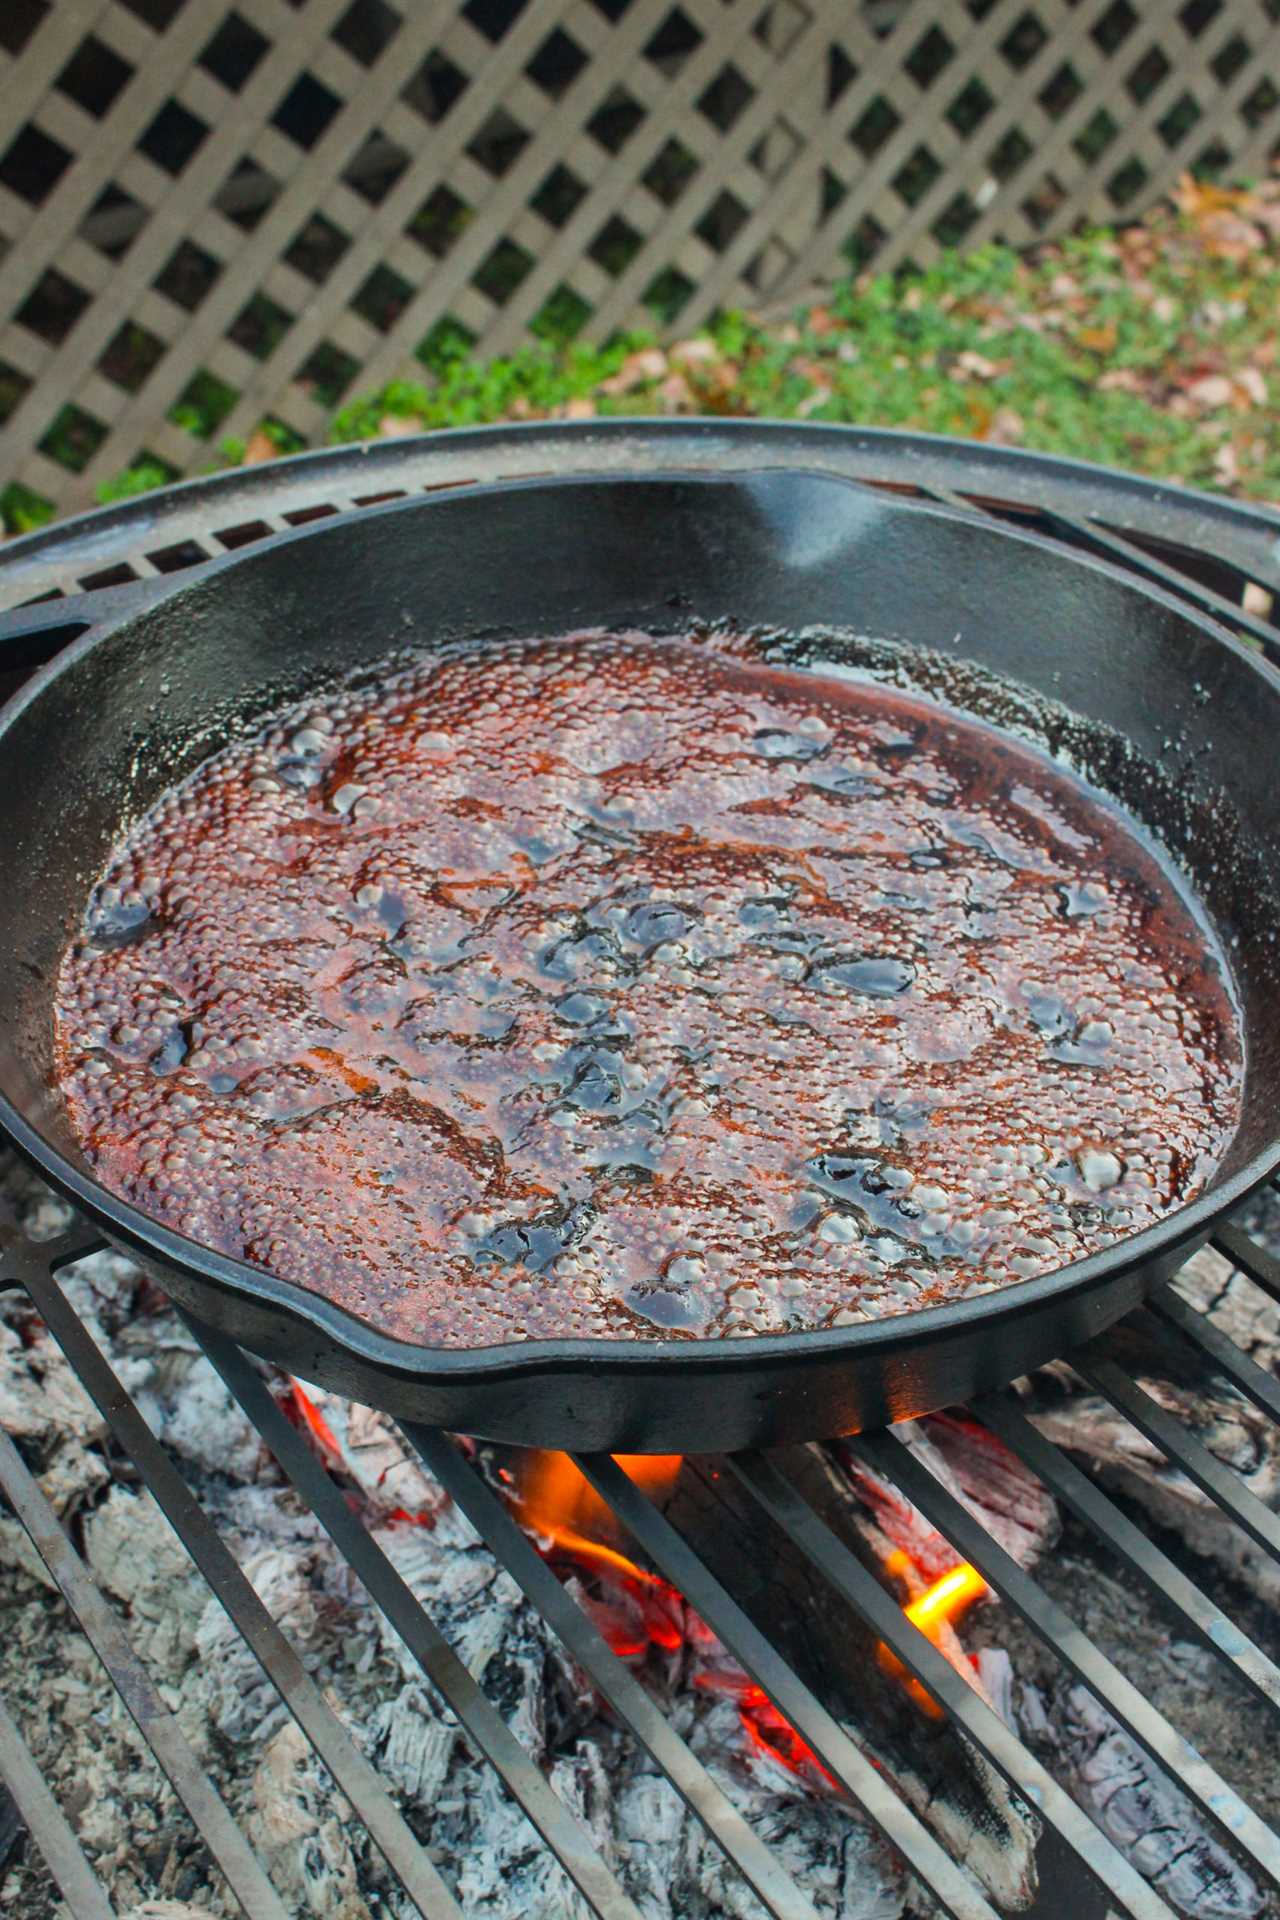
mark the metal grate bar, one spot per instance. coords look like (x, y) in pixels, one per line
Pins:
(957, 1894)
(1132, 1548)
(1134, 559)
(985, 1728)
(1261, 1267)
(152, 1718)
(48, 1827)
(1182, 1449)
(619, 1686)
(562, 1832)
(1223, 1354)
(889, 1453)
(350, 1770)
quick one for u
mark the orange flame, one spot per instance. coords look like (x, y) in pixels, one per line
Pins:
(564, 1509)
(939, 1605)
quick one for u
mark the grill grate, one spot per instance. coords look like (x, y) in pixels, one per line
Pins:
(1213, 553)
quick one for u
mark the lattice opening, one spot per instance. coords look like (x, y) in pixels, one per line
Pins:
(1174, 126)
(316, 248)
(247, 193)
(970, 107)
(94, 76)
(502, 270)
(499, 143)
(52, 307)
(174, 137)
(382, 299)
(1230, 59)
(1023, 41)
(557, 63)
(841, 74)
(722, 222)
(375, 168)
(669, 172)
(328, 371)
(366, 30)
(562, 315)
(931, 56)
(203, 404)
(1127, 182)
(188, 275)
(726, 98)
(19, 21)
(234, 52)
(14, 387)
(559, 196)
(439, 221)
(437, 86)
(1153, 68)
(1115, 26)
(131, 356)
(615, 246)
(1096, 136)
(1061, 92)
(306, 110)
(260, 326)
(877, 124)
(32, 165)
(616, 120)
(673, 41)
(114, 221)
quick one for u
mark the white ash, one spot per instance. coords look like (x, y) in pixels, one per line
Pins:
(1233, 1430)
(1152, 1824)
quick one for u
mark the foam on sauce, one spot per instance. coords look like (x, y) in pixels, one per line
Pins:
(616, 986)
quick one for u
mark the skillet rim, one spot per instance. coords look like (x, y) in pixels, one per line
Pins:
(509, 1360)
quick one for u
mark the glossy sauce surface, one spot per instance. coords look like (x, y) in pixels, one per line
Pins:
(614, 986)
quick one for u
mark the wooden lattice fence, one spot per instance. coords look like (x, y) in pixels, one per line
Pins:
(212, 214)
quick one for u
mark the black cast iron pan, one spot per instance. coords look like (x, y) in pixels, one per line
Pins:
(1165, 710)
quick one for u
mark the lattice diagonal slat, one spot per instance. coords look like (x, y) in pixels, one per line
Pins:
(263, 207)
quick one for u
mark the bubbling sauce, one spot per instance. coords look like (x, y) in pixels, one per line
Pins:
(616, 986)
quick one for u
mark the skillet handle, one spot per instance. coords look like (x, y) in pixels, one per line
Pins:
(32, 635)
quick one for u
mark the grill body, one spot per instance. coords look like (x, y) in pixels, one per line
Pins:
(1172, 716)
(1209, 552)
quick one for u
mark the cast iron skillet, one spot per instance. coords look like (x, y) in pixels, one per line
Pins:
(1173, 716)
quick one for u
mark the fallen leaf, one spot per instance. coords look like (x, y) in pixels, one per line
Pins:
(579, 408)
(1098, 339)
(694, 353)
(1225, 465)
(979, 366)
(396, 426)
(676, 395)
(639, 369)
(1006, 429)
(1212, 391)
(822, 320)
(1226, 236)
(1254, 385)
(260, 446)
(1120, 380)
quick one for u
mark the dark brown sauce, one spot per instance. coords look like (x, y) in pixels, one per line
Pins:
(618, 986)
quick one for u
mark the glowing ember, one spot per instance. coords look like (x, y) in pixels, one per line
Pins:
(636, 1610)
(307, 1415)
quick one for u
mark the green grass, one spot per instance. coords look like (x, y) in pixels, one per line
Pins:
(1089, 348)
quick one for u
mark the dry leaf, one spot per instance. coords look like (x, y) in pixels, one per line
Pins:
(1213, 390)
(1098, 339)
(676, 395)
(1226, 236)
(822, 320)
(260, 446)
(979, 366)
(639, 369)
(579, 408)
(1226, 467)
(1006, 429)
(1253, 384)
(396, 426)
(694, 353)
(1120, 380)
